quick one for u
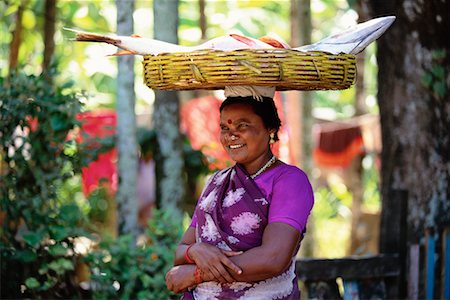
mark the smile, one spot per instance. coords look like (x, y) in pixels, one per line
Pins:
(236, 146)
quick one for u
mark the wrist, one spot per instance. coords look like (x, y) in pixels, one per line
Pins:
(197, 276)
(187, 257)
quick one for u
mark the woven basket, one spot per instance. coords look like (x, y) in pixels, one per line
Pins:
(285, 69)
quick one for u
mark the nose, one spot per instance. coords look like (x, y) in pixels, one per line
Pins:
(231, 136)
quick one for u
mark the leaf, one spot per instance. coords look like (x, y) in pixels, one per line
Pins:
(427, 78)
(33, 238)
(439, 88)
(26, 256)
(438, 71)
(58, 232)
(60, 266)
(57, 250)
(70, 213)
(32, 283)
(439, 54)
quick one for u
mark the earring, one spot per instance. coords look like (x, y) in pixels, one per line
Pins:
(272, 138)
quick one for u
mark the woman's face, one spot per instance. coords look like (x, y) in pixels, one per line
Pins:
(243, 135)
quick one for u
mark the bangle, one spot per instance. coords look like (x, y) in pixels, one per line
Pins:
(186, 255)
(198, 275)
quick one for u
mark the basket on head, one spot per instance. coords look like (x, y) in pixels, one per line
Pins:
(285, 69)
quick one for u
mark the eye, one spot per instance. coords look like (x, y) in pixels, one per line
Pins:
(223, 128)
(242, 126)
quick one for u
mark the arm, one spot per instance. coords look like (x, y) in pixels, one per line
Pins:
(212, 261)
(187, 239)
(270, 259)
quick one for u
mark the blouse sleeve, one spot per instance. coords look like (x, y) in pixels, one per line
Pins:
(292, 199)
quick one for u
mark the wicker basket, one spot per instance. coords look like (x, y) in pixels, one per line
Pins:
(285, 69)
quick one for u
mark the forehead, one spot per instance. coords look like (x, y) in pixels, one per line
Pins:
(238, 111)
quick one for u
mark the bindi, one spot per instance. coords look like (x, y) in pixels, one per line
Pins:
(229, 121)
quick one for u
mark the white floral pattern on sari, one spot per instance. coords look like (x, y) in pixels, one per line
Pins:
(245, 223)
(233, 197)
(209, 230)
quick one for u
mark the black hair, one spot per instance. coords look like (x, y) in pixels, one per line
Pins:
(265, 109)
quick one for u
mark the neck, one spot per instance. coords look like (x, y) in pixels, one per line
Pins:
(257, 164)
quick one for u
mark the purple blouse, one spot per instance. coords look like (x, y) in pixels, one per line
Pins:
(289, 194)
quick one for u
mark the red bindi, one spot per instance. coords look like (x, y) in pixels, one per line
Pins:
(229, 121)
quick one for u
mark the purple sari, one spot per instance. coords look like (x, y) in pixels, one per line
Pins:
(232, 214)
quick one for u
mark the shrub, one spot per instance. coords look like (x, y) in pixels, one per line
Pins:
(38, 225)
(123, 270)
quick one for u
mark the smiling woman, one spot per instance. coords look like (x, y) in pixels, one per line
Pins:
(250, 218)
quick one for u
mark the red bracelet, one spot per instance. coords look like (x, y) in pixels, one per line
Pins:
(198, 275)
(186, 255)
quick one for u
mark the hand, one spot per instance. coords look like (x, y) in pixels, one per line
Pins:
(214, 262)
(179, 278)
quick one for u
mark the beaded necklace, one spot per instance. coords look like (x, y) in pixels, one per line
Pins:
(268, 164)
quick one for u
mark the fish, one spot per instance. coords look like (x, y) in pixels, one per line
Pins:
(137, 45)
(353, 40)
(276, 43)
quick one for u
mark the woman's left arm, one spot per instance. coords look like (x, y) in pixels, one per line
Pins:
(272, 257)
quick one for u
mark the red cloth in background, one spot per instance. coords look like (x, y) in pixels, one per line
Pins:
(199, 120)
(103, 171)
(337, 144)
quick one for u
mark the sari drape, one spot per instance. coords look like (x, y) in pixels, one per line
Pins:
(232, 214)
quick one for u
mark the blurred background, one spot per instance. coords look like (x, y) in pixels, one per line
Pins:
(100, 174)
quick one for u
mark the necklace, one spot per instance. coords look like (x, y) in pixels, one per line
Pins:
(268, 164)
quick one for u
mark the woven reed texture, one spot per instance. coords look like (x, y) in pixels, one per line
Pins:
(283, 68)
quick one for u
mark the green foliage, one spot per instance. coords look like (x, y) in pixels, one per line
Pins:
(123, 270)
(434, 78)
(38, 227)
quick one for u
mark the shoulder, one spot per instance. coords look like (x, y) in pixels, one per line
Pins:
(290, 173)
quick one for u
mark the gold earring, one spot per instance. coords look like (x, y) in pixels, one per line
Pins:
(272, 138)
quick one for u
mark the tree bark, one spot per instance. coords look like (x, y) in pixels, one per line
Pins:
(126, 128)
(301, 27)
(171, 187)
(306, 97)
(49, 33)
(17, 37)
(203, 22)
(413, 98)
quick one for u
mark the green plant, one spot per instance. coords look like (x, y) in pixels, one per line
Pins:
(40, 219)
(122, 270)
(434, 78)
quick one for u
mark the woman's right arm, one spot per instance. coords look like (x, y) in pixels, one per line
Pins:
(187, 239)
(211, 260)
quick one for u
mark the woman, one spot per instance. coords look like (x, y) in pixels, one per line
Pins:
(250, 218)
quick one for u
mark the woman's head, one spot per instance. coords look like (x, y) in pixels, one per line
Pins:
(246, 128)
(265, 109)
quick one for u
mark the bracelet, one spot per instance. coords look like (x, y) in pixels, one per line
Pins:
(198, 275)
(186, 255)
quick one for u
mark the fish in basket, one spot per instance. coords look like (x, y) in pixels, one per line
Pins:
(236, 60)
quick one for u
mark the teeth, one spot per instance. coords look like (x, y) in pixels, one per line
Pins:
(236, 146)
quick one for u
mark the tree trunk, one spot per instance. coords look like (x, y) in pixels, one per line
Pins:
(306, 97)
(413, 98)
(126, 128)
(171, 186)
(49, 33)
(301, 28)
(17, 37)
(203, 22)
(355, 169)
